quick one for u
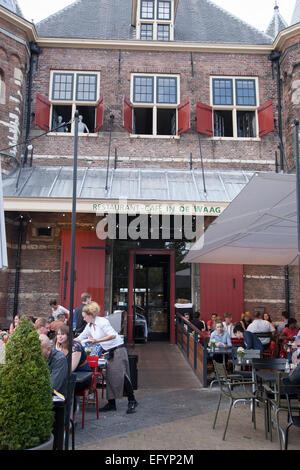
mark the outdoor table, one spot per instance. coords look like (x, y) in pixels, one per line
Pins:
(223, 351)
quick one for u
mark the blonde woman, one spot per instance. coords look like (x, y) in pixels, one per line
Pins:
(99, 331)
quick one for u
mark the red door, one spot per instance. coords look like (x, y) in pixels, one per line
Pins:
(221, 290)
(89, 268)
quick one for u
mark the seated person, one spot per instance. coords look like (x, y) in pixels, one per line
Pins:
(290, 331)
(79, 361)
(14, 323)
(261, 326)
(60, 320)
(211, 322)
(221, 336)
(267, 317)
(283, 323)
(42, 326)
(250, 340)
(200, 324)
(58, 365)
(228, 325)
(246, 320)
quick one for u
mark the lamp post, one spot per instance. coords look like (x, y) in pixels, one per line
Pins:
(72, 279)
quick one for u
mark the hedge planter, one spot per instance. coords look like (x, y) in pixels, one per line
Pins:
(26, 408)
(46, 446)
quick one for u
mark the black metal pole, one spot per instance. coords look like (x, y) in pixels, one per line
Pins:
(72, 279)
(18, 266)
(296, 136)
(111, 120)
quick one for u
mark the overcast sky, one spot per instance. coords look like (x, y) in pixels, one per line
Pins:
(256, 12)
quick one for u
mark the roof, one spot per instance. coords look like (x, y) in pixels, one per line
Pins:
(12, 5)
(196, 21)
(277, 24)
(296, 13)
(123, 183)
(252, 229)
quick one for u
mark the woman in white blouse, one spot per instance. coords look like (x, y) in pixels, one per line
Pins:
(99, 331)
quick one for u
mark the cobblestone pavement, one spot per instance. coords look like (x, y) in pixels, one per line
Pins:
(174, 412)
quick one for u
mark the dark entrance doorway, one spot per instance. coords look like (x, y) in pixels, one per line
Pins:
(151, 294)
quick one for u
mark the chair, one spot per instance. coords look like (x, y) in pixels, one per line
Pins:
(268, 353)
(84, 393)
(228, 389)
(278, 402)
(93, 362)
(291, 392)
(270, 365)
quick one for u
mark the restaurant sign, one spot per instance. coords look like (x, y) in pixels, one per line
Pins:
(164, 208)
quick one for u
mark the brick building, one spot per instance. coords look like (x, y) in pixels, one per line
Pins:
(181, 102)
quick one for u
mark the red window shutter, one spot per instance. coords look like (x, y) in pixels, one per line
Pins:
(127, 114)
(99, 113)
(42, 112)
(204, 119)
(184, 117)
(266, 118)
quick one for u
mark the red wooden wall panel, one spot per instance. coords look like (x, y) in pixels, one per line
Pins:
(221, 290)
(89, 267)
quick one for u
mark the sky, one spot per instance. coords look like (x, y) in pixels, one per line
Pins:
(258, 13)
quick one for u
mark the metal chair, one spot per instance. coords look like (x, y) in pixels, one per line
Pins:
(268, 365)
(292, 392)
(235, 391)
(278, 402)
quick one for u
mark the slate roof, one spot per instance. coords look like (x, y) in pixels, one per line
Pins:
(12, 5)
(277, 24)
(196, 21)
(296, 13)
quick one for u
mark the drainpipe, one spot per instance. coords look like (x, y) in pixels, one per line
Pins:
(274, 57)
(18, 267)
(35, 50)
(287, 288)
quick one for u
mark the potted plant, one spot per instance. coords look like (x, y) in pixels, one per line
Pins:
(26, 409)
(212, 344)
(240, 353)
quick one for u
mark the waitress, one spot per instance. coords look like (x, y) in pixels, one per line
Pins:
(99, 331)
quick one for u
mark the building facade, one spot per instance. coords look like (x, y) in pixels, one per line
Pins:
(179, 104)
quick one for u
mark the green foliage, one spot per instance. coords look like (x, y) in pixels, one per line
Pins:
(26, 415)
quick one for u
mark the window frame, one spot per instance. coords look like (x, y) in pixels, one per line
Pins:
(73, 103)
(155, 105)
(155, 21)
(234, 107)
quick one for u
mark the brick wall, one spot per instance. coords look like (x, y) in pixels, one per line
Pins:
(13, 67)
(140, 152)
(290, 75)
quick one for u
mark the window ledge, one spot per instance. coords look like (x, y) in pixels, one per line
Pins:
(70, 134)
(238, 139)
(142, 136)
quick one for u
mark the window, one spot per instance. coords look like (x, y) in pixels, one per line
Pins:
(155, 100)
(155, 20)
(163, 32)
(70, 91)
(234, 102)
(163, 10)
(147, 31)
(147, 9)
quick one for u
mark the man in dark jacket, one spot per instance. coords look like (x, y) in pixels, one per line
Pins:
(80, 323)
(58, 365)
(251, 341)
